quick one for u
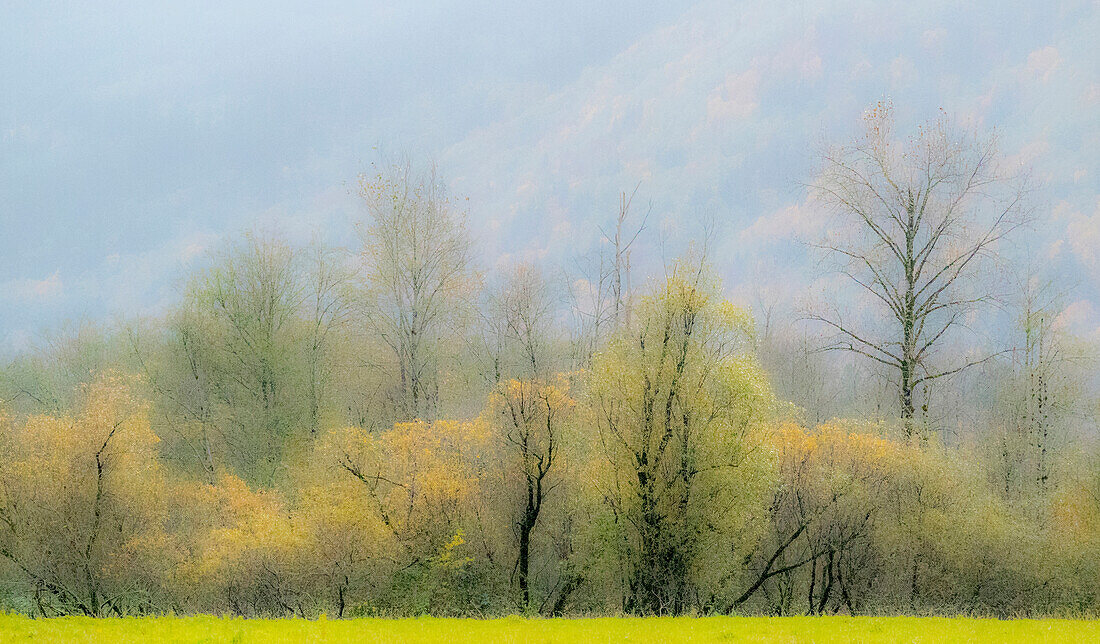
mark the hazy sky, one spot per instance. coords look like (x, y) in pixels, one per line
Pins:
(133, 137)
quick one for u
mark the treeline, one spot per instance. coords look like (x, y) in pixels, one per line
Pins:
(390, 430)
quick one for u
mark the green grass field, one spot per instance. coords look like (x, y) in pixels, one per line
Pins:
(15, 628)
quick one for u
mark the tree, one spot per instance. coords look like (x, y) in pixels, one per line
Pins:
(328, 312)
(422, 480)
(603, 292)
(1041, 388)
(675, 399)
(47, 379)
(823, 509)
(519, 335)
(82, 505)
(243, 550)
(234, 365)
(176, 366)
(621, 242)
(530, 415)
(919, 220)
(527, 406)
(418, 275)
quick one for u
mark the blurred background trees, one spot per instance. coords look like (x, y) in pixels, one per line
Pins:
(392, 429)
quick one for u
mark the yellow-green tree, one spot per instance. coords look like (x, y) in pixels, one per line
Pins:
(676, 399)
(828, 490)
(242, 373)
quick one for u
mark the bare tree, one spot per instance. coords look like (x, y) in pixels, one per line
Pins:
(601, 294)
(920, 219)
(516, 334)
(621, 240)
(417, 257)
(329, 310)
(591, 313)
(1039, 397)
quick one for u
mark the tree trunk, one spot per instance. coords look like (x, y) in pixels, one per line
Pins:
(524, 565)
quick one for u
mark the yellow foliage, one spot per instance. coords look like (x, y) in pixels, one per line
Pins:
(448, 556)
(414, 479)
(1076, 514)
(83, 499)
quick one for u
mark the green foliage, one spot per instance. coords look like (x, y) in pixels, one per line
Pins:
(678, 403)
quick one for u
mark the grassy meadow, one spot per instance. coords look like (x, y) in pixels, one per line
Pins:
(14, 628)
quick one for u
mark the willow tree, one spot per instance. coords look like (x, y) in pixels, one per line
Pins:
(676, 397)
(919, 222)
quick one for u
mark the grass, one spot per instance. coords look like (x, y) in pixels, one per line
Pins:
(16, 628)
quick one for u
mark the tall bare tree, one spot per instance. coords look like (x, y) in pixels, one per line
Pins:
(601, 295)
(328, 311)
(621, 240)
(419, 271)
(519, 330)
(918, 221)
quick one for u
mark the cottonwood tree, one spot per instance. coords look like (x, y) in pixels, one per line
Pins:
(418, 276)
(918, 222)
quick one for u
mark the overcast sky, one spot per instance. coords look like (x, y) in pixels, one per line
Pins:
(133, 137)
